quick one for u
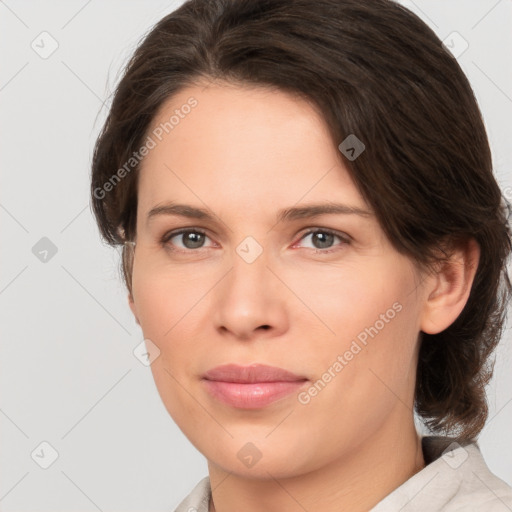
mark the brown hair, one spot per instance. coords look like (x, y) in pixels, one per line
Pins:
(375, 70)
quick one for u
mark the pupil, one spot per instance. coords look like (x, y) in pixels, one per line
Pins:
(193, 240)
(324, 239)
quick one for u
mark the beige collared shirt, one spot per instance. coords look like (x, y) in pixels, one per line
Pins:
(455, 479)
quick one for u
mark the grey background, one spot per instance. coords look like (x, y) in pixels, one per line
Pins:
(68, 374)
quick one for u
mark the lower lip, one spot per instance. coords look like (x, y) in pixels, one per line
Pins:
(251, 396)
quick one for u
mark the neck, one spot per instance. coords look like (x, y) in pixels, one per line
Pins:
(356, 481)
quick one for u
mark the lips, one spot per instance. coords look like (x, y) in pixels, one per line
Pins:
(251, 387)
(251, 374)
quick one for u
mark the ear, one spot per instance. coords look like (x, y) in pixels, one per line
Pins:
(449, 288)
(133, 307)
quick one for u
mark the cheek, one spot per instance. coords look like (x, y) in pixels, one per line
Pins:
(369, 323)
(163, 294)
(171, 316)
(169, 305)
(346, 300)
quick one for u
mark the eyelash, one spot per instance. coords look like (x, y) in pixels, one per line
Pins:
(345, 239)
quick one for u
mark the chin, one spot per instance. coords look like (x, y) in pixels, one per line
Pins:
(250, 456)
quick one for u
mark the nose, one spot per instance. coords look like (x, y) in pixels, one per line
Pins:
(250, 302)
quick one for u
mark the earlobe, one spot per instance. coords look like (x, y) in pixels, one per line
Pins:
(450, 288)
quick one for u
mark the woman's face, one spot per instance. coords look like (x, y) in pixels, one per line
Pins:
(263, 278)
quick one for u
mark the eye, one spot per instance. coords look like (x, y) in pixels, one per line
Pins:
(321, 239)
(187, 239)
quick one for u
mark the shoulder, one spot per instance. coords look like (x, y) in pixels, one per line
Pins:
(456, 478)
(480, 488)
(198, 499)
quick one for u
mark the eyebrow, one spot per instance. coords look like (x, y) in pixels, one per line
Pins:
(286, 214)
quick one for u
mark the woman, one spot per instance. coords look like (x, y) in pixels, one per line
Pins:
(314, 248)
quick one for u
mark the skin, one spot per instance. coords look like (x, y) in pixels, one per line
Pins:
(244, 153)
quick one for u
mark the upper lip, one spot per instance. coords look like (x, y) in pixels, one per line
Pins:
(251, 374)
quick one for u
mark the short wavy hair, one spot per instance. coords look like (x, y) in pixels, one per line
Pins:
(374, 69)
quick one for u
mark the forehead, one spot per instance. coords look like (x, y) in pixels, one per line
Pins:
(250, 147)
